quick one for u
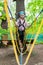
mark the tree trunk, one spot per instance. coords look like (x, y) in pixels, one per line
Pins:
(19, 6)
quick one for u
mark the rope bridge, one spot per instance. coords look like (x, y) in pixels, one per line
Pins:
(14, 46)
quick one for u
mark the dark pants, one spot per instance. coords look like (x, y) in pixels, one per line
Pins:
(21, 35)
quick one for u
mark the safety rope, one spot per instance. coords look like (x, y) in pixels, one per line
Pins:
(8, 19)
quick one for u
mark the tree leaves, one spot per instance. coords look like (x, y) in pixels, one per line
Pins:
(34, 7)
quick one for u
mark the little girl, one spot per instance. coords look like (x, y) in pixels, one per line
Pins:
(21, 24)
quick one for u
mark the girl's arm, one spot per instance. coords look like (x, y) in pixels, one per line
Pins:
(27, 24)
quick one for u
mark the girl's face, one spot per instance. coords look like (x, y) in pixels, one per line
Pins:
(22, 16)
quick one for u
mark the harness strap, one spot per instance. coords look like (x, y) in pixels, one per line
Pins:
(21, 24)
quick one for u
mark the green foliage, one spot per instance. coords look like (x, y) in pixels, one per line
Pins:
(2, 13)
(2, 17)
(33, 9)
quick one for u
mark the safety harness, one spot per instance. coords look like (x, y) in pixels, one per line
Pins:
(21, 24)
